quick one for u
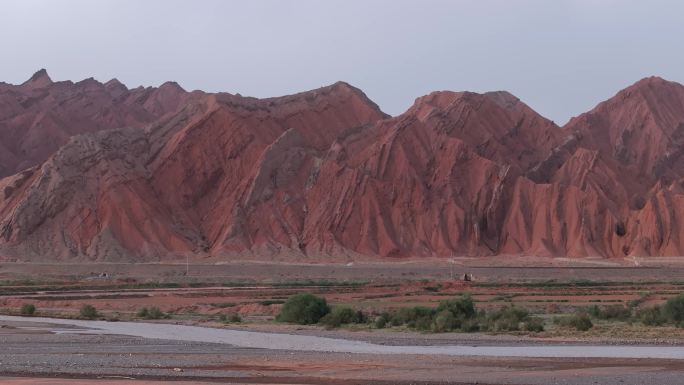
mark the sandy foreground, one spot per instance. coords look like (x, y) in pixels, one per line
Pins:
(43, 353)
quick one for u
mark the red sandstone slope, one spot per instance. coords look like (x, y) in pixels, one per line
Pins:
(39, 116)
(325, 174)
(637, 141)
(432, 181)
(172, 189)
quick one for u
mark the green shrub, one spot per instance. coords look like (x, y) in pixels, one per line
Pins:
(342, 315)
(155, 313)
(652, 316)
(303, 309)
(142, 313)
(28, 309)
(615, 312)
(151, 313)
(452, 314)
(421, 323)
(417, 317)
(507, 318)
(673, 310)
(381, 320)
(462, 308)
(594, 311)
(470, 326)
(580, 321)
(534, 324)
(233, 318)
(444, 322)
(88, 312)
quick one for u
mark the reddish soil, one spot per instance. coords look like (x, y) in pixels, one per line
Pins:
(257, 301)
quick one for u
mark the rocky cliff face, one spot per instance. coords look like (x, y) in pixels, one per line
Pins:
(325, 174)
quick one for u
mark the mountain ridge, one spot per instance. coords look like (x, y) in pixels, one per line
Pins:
(325, 174)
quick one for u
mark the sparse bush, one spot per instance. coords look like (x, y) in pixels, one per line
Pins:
(534, 324)
(444, 322)
(142, 312)
(417, 317)
(470, 326)
(615, 312)
(342, 315)
(462, 308)
(155, 313)
(580, 321)
(452, 314)
(151, 313)
(673, 310)
(233, 318)
(28, 309)
(303, 309)
(88, 312)
(507, 319)
(652, 316)
(594, 311)
(381, 320)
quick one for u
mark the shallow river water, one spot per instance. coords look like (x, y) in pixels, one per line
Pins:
(281, 341)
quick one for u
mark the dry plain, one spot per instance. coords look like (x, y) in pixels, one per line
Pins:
(198, 294)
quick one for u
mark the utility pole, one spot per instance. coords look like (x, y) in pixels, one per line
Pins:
(451, 265)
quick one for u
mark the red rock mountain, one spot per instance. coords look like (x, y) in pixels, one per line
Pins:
(39, 116)
(160, 173)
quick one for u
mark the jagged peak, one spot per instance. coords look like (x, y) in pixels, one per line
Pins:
(650, 91)
(336, 91)
(646, 87)
(39, 79)
(446, 99)
(114, 82)
(338, 87)
(346, 87)
(115, 87)
(437, 99)
(90, 80)
(649, 81)
(89, 84)
(172, 86)
(503, 98)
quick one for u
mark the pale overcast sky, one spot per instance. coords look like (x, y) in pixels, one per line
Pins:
(560, 57)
